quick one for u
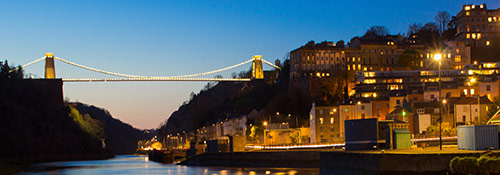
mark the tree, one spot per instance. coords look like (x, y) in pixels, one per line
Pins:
(340, 43)
(410, 59)
(494, 107)
(429, 35)
(442, 18)
(449, 33)
(376, 32)
(414, 28)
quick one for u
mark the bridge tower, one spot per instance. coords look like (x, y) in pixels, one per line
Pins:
(257, 71)
(50, 71)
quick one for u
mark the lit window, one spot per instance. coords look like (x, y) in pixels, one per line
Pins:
(468, 36)
(465, 91)
(359, 58)
(467, 7)
(458, 58)
(467, 13)
(449, 55)
(348, 67)
(471, 91)
(479, 36)
(487, 43)
(359, 66)
(481, 6)
(473, 6)
(321, 120)
(489, 19)
(458, 50)
(473, 36)
(331, 120)
(353, 59)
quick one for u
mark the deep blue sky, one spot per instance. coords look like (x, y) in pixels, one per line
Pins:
(161, 38)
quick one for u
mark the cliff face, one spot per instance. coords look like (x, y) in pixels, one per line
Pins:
(33, 128)
(120, 137)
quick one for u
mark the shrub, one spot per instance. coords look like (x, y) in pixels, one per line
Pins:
(485, 164)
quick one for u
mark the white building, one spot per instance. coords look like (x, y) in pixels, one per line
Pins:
(469, 109)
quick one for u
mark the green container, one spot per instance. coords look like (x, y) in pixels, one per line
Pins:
(401, 138)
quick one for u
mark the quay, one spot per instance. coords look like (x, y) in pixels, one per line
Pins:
(411, 161)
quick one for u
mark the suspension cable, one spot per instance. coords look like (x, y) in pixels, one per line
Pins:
(97, 70)
(271, 64)
(214, 71)
(29, 64)
(138, 76)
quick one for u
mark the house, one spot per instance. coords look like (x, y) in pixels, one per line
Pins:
(472, 110)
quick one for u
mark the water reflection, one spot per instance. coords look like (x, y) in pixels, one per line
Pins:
(141, 165)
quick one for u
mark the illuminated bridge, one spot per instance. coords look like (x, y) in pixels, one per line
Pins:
(256, 60)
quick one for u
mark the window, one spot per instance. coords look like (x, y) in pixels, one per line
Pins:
(432, 96)
(420, 111)
(458, 58)
(321, 120)
(320, 112)
(362, 107)
(465, 91)
(471, 91)
(331, 120)
(488, 88)
(464, 118)
(398, 102)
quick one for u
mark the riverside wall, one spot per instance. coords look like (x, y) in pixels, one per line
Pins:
(335, 162)
(292, 159)
(352, 163)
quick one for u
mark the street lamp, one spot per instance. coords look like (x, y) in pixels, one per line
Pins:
(472, 80)
(438, 57)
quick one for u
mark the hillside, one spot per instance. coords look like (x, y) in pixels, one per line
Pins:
(33, 127)
(233, 99)
(121, 137)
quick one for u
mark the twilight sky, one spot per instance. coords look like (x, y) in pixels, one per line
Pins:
(164, 38)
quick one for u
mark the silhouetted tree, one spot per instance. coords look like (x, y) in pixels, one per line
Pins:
(442, 18)
(414, 28)
(409, 59)
(376, 32)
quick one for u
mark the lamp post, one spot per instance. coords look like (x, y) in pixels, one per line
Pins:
(437, 57)
(472, 80)
(356, 107)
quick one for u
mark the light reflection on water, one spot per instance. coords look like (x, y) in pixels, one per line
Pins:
(141, 165)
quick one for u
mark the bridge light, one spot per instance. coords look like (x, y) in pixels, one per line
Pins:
(50, 55)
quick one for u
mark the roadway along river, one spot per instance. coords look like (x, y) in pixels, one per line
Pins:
(141, 165)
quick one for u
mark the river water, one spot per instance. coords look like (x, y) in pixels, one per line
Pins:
(132, 164)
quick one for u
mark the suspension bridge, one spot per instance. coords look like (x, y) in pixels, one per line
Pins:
(50, 73)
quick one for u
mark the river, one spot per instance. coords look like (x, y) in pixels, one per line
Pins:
(133, 164)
